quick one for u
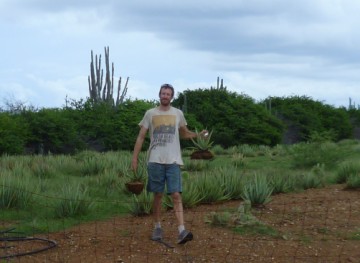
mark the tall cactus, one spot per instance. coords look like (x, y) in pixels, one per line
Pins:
(99, 92)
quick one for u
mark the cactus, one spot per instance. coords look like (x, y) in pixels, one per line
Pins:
(99, 92)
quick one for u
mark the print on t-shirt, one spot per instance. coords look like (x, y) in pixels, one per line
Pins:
(164, 129)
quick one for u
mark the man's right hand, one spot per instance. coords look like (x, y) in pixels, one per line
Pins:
(134, 164)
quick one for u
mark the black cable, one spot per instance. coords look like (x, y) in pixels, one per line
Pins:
(51, 244)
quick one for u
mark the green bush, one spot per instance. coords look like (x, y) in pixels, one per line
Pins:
(222, 219)
(211, 187)
(74, 201)
(51, 130)
(232, 181)
(191, 195)
(282, 182)
(90, 163)
(238, 160)
(141, 204)
(244, 121)
(218, 150)
(257, 190)
(41, 168)
(247, 150)
(110, 182)
(307, 155)
(15, 192)
(13, 133)
(312, 119)
(347, 170)
(195, 165)
(353, 181)
(310, 180)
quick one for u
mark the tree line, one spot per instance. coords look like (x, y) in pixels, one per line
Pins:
(234, 118)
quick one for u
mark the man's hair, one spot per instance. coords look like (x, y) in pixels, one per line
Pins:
(167, 86)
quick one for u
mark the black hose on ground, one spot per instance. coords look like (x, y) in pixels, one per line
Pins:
(50, 244)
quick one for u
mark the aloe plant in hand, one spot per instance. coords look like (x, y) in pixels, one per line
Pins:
(202, 146)
(202, 142)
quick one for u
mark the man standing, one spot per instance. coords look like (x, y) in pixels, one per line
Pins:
(166, 125)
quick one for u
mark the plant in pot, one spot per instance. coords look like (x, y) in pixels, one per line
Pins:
(136, 179)
(136, 182)
(202, 146)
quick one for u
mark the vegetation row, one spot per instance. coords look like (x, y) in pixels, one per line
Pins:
(234, 119)
(47, 193)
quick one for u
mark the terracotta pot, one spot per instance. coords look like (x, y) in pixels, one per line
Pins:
(135, 187)
(202, 155)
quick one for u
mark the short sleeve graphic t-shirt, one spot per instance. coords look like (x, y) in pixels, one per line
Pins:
(164, 135)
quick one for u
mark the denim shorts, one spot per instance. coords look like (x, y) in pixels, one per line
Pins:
(164, 174)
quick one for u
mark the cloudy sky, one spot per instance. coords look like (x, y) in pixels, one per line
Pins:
(258, 47)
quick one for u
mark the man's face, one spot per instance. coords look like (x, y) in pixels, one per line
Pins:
(165, 96)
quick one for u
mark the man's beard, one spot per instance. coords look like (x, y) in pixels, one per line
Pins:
(165, 102)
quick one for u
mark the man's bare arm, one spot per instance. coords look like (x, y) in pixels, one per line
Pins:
(185, 133)
(137, 148)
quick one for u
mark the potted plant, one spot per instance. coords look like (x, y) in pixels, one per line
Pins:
(202, 145)
(136, 181)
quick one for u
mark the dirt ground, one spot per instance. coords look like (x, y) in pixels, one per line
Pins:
(317, 225)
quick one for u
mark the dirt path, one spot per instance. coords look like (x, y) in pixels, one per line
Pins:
(315, 226)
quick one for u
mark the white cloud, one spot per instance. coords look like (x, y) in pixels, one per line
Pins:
(286, 47)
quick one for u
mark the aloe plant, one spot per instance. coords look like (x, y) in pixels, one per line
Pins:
(132, 176)
(73, 201)
(202, 142)
(137, 176)
(141, 204)
(257, 190)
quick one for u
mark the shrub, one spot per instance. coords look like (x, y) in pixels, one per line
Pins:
(241, 217)
(281, 182)
(141, 204)
(219, 219)
(191, 195)
(257, 190)
(41, 168)
(310, 180)
(13, 134)
(346, 170)
(238, 160)
(232, 182)
(211, 187)
(195, 165)
(14, 192)
(90, 163)
(110, 182)
(247, 150)
(306, 155)
(64, 164)
(218, 150)
(353, 181)
(186, 152)
(279, 150)
(72, 202)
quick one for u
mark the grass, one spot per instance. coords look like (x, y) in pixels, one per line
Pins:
(258, 229)
(96, 180)
(241, 221)
(257, 189)
(305, 239)
(74, 201)
(141, 205)
(355, 235)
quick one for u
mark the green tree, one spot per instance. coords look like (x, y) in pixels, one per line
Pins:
(235, 119)
(51, 130)
(310, 116)
(13, 133)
